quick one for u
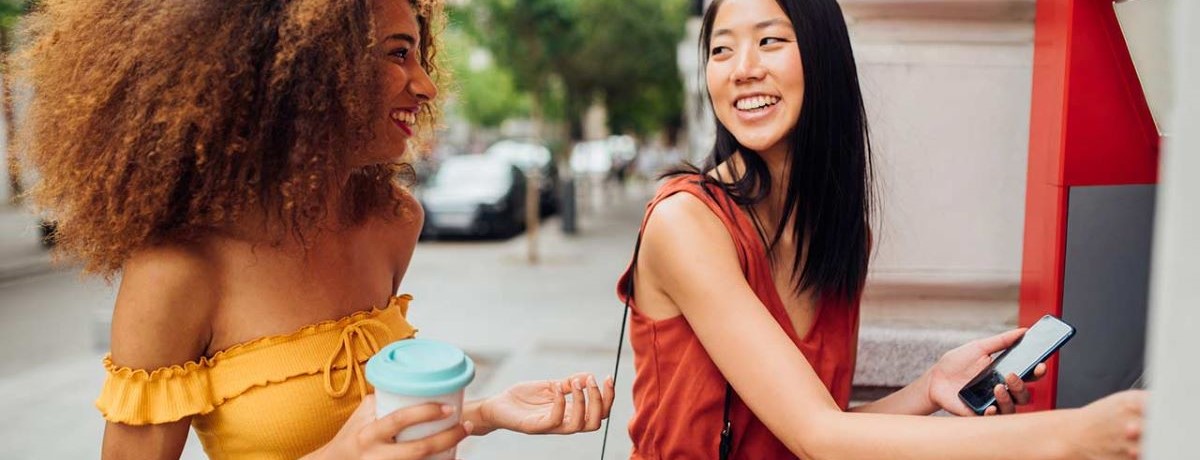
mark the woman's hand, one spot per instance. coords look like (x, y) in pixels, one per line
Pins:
(958, 366)
(364, 437)
(542, 407)
(1110, 428)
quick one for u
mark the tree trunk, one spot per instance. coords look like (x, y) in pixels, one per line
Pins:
(14, 170)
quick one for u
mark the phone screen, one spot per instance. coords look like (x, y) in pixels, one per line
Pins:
(1038, 343)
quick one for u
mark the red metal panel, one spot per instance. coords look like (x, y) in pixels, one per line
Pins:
(1089, 125)
(1045, 197)
(1111, 137)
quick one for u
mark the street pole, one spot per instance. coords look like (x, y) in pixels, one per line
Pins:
(532, 212)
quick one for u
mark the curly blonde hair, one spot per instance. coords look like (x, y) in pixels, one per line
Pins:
(158, 121)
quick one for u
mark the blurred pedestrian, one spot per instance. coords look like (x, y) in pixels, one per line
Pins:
(745, 287)
(236, 164)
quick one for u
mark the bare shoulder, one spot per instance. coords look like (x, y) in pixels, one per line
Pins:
(402, 224)
(398, 229)
(679, 227)
(164, 306)
(683, 215)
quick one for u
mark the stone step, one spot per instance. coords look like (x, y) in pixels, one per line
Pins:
(906, 327)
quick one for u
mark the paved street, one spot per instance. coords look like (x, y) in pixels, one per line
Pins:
(520, 321)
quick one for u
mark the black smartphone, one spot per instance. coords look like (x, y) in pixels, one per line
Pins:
(1045, 337)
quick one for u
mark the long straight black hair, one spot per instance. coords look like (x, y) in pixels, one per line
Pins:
(829, 189)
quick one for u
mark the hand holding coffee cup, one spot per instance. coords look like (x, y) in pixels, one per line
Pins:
(364, 436)
(415, 373)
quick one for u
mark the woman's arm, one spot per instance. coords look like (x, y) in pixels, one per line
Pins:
(688, 255)
(913, 399)
(161, 318)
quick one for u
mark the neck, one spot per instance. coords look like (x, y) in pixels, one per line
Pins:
(778, 160)
(260, 225)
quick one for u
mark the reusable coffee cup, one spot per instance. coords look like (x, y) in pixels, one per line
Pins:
(418, 371)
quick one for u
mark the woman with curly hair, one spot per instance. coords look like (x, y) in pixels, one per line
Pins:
(235, 162)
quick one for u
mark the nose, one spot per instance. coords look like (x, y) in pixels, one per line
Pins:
(748, 67)
(421, 85)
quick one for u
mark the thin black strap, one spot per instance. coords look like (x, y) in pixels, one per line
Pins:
(726, 435)
(621, 338)
(726, 445)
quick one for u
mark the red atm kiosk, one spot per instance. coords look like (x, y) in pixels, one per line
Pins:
(1089, 210)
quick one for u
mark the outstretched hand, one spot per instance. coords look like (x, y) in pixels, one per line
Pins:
(957, 367)
(572, 405)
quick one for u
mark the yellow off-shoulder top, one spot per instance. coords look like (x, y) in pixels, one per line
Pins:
(272, 398)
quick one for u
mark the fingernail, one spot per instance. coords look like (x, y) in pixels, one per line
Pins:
(576, 384)
(609, 380)
(468, 426)
(591, 381)
(447, 409)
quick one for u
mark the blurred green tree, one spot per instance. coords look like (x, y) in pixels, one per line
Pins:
(631, 53)
(569, 53)
(486, 94)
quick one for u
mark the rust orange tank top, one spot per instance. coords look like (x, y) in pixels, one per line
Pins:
(678, 392)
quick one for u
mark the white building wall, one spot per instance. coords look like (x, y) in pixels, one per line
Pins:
(950, 127)
(1175, 301)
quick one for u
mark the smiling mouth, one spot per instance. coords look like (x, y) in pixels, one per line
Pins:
(755, 103)
(405, 120)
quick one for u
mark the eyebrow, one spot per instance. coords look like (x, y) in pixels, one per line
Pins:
(404, 38)
(759, 26)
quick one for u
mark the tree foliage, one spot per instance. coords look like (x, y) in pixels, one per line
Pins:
(574, 52)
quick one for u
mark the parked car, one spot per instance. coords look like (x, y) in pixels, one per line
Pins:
(530, 156)
(474, 195)
(591, 158)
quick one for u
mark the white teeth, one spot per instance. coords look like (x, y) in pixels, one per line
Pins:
(756, 102)
(404, 117)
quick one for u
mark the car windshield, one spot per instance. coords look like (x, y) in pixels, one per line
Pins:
(472, 172)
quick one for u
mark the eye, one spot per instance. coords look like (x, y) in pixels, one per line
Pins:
(399, 53)
(771, 41)
(719, 50)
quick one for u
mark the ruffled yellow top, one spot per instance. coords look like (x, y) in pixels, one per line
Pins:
(272, 398)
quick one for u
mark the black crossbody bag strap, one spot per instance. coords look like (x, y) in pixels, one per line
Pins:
(621, 338)
(726, 445)
(726, 436)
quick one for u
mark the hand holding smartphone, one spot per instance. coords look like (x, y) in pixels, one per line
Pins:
(1039, 342)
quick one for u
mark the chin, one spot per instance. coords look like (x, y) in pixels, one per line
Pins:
(757, 142)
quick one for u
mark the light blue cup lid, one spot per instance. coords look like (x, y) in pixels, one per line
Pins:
(420, 367)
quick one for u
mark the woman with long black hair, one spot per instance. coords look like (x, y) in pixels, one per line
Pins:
(745, 286)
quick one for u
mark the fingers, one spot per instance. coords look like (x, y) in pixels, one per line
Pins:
(1038, 373)
(574, 421)
(1004, 402)
(999, 342)
(560, 402)
(424, 447)
(608, 395)
(1016, 389)
(386, 428)
(991, 410)
(595, 405)
(1135, 406)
